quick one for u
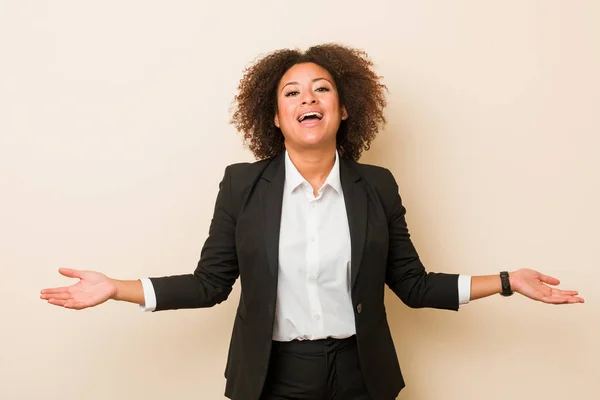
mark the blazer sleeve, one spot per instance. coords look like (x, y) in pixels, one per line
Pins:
(217, 270)
(405, 274)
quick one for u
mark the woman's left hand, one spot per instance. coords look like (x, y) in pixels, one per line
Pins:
(536, 286)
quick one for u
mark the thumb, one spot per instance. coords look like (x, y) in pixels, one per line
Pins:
(70, 273)
(549, 280)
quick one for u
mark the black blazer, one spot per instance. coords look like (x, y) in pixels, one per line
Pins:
(243, 241)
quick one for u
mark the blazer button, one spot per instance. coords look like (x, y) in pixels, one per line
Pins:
(359, 308)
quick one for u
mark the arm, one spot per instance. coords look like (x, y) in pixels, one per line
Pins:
(405, 274)
(217, 270)
(129, 291)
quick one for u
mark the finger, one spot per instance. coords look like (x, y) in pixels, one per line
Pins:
(74, 305)
(549, 280)
(560, 292)
(561, 300)
(553, 300)
(57, 302)
(68, 304)
(77, 304)
(55, 290)
(56, 296)
(574, 300)
(70, 273)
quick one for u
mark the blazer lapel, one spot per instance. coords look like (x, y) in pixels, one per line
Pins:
(271, 199)
(355, 198)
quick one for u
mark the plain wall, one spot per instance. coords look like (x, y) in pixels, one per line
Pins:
(114, 135)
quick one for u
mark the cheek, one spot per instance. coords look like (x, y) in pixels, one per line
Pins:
(286, 114)
(332, 104)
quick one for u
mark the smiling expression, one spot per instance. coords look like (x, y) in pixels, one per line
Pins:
(309, 112)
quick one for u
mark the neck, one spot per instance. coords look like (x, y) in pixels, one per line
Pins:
(314, 165)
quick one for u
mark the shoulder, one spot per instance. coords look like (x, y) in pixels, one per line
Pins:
(238, 181)
(380, 182)
(374, 175)
(245, 170)
(243, 176)
(249, 166)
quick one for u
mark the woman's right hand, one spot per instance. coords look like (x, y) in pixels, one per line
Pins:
(92, 289)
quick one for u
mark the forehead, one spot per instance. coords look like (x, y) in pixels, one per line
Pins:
(305, 73)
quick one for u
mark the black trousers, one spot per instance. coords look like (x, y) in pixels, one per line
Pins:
(326, 369)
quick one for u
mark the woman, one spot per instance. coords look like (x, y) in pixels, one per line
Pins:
(314, 236)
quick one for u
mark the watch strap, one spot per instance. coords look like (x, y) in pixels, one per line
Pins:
(504, 279)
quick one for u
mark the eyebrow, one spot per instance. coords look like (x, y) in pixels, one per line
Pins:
(314, 80)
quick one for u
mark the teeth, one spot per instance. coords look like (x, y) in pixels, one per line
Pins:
(310, 114)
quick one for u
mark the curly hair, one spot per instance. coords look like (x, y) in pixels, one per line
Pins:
(359, 89)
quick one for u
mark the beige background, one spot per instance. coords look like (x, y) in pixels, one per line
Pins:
(114, 136)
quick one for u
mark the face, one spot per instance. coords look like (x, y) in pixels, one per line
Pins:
(309, 112)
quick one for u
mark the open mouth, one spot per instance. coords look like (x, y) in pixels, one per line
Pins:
(312, 116)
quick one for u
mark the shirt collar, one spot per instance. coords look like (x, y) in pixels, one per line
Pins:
(293, 179)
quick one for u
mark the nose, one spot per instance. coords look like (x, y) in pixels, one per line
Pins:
(308, 98)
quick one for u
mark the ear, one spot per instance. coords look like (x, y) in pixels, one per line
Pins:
(344, 113)
(276, 120)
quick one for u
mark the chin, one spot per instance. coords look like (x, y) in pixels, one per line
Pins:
(313, 140)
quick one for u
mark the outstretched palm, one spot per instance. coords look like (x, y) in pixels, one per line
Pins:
(92, 289)
(534, 285)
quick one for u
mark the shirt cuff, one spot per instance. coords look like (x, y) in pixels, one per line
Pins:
(464, 289)
(149, 295)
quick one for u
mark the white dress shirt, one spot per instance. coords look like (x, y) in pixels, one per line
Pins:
(313, 287)
(313, 292)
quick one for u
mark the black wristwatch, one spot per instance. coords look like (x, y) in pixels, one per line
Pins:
(506, 290)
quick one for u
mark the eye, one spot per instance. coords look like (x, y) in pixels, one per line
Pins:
(322, 89)
(292, 93)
